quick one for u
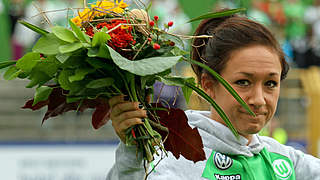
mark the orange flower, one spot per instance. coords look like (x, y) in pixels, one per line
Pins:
(76, 20)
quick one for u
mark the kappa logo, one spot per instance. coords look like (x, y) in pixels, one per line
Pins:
(282, 168)
(222, 161)
(227, 177)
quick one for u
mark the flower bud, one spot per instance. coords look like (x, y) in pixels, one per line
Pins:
(156, 46)
(172, 43)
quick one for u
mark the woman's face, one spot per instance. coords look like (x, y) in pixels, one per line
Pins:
(254, 72)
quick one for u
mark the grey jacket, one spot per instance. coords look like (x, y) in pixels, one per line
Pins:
(215, 136)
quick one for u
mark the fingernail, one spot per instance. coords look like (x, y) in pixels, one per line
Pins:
(126, 98)
(140, 106)
(143, 120)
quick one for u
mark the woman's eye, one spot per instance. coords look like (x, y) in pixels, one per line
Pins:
(271, 84)
(243, 82)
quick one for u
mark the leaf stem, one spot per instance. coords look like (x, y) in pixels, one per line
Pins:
(133, 89)
(117, 89)
(125, 83)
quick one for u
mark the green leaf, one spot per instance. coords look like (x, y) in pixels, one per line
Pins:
(187, 91)
(177, 51)
(149, 6)
(37, 78)
(42, 94)
(34, 28)
(64, 34)
(63, 79)
(100, 38)
(28, 61)
(99, 63)
(80, 34)
(215, 106)
(74, 62)
(175, 39)
(22, 75)
(99, 83)
(5, 64)
(80, 74)
(217, 14)
(101, 52)
(93, 52)
(144, 67)
(74, 99)
(11, 73)
(224, 83)
(48, 45)
(104, 29)
(64, 82)
(68, 48)
(62, 57)
(49, 66)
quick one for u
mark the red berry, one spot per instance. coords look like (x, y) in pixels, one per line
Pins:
(149, 39)
(171, 43)
(156, 46)
(170, 23)
(151, 23)
(156, 18)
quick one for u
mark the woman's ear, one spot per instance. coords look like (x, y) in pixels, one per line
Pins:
(207, 84)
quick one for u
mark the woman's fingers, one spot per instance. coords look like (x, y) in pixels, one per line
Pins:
(125, 114)
(124, 107)
(120, 128)
(116, 99)
(132, 114)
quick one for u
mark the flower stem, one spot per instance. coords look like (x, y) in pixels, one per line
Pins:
(117, 89)
(133, 89)
(144, 129)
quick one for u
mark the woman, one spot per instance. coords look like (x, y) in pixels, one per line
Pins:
(246, 55)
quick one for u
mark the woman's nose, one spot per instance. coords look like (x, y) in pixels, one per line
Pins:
(257, 97)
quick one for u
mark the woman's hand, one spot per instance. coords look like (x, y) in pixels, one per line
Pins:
(125, 114)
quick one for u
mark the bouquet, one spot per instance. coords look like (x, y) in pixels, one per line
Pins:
(110, 50)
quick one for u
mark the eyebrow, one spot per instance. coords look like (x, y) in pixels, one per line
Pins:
(250, 74)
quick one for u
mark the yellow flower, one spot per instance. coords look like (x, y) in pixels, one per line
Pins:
(86, 14)
(77, 21)
(102, 7)
(122, 4)
(117, 10)
(107, 4)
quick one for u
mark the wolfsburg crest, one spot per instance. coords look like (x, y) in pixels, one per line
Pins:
(282, 168)
(222, 161)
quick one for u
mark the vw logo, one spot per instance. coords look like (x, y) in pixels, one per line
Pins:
(282, 168)
(222, 161)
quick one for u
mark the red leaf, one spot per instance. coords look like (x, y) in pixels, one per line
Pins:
(57, 105)
(101, 115)
(35, 107)
(182, 139)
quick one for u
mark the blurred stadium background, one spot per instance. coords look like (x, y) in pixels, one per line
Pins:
(68, 148)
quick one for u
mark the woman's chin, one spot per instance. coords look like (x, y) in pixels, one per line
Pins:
(251, 129)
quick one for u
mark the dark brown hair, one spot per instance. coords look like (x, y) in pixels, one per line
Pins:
(230, 33)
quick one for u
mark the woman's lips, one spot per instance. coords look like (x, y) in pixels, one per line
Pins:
(259, 113)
